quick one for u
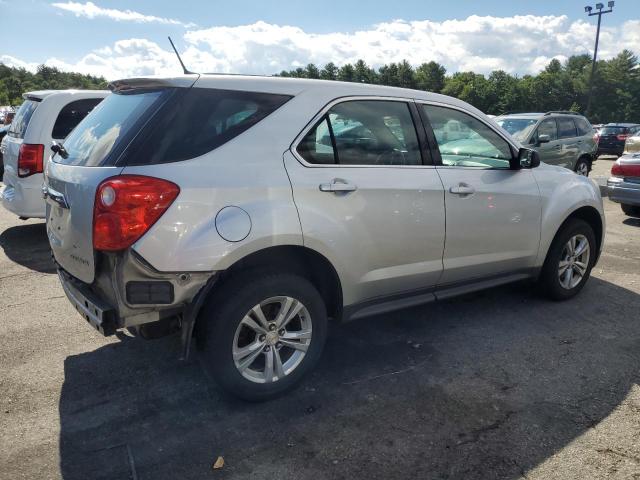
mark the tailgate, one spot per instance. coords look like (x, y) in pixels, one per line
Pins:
(69, 193)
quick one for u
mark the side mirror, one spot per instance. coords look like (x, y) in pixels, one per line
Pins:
(543, 138)
(528, 158)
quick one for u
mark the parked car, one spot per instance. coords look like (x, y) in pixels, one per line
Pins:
(252, 209)
(624, 184)
(44, 117)
(3, 133)
(612, 137)
(561, 138)
(632, 143)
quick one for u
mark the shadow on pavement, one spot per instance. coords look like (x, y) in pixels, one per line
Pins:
(484, 386)
(28, 246)
(632, 222)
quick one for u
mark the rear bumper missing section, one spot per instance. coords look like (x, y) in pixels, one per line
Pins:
(95, 311)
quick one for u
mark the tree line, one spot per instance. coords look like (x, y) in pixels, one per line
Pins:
(560, 86)
(16, 81)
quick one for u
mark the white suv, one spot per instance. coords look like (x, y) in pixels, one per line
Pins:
(44, 117)
(252, 209)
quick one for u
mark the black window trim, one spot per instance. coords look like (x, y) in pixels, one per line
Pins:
(317, 119)
(434, 144)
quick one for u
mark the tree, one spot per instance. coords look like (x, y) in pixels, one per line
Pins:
(405, 75)
(362, 73)
(329, 72)
(311, 71)
(346, 73)
(430, 77)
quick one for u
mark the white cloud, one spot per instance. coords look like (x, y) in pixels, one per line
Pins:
(91, 10)
(521, 44)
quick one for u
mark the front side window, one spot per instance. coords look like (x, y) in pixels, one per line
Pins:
(71, 115)
(549, 128)
(465, 141)
(566, 127)
(363, 132)
(518, 128)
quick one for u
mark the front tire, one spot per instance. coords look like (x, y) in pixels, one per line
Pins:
(263, 332)
(631, 210)
(569, 260)
(582, 167)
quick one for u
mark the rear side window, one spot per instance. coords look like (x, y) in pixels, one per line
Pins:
(22, 118)
(198, 120)
(71, 115)
(583, 126)
(566, 127)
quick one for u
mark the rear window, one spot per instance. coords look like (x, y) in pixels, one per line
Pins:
(198, 120)
(102, 135)
(169, 125)
(613, 130)
(22, 118)
(71, 115)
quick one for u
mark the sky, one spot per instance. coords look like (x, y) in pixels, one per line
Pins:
(118, 39)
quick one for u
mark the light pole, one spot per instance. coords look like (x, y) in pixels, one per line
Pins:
(599, 13)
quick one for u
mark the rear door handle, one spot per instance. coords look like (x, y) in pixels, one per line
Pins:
(338, 185)
(462, 189)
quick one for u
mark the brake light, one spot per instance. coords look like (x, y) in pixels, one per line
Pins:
(622, 136)
(30, 159)
(622, 170)
(126, 207)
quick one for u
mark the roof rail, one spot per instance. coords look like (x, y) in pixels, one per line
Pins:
(564, 112)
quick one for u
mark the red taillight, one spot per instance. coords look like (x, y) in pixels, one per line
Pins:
(621, 170)
(126, 207)
(30, 159)
(622, 136)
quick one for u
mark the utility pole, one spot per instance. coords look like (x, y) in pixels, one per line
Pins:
(599, 13)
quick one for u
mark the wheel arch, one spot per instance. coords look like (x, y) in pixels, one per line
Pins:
(299, 260)
(591, 216)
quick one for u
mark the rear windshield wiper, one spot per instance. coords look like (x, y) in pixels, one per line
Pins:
(60, 150)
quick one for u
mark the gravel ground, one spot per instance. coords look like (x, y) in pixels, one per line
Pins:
(499, 384)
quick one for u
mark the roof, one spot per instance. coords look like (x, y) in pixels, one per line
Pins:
(281, 85)
(621, 125)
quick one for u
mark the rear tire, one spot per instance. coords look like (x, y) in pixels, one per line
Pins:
(250, 350)
(565, 272)
(631, 210)
(582, 167)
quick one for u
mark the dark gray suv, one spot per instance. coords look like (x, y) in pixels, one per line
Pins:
(561, 138)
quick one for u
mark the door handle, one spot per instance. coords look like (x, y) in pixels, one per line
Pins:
(338, 185)
(462, 189)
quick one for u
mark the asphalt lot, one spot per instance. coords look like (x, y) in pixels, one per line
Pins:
(499, 384)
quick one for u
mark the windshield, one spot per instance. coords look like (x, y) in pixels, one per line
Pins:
(519, 128)
(112, 120)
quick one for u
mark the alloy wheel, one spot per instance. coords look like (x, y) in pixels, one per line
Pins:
(582, 169)
(574, 261)
(272, 339)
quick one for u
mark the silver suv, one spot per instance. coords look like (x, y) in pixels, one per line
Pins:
(560, 138)
(246, 211)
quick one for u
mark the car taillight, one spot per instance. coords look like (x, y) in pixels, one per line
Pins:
(622, 136)
(596, 137)
(126, 207)
(30, 159)
(621, 170)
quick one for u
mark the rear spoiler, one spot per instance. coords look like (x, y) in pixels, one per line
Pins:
(184, 81)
